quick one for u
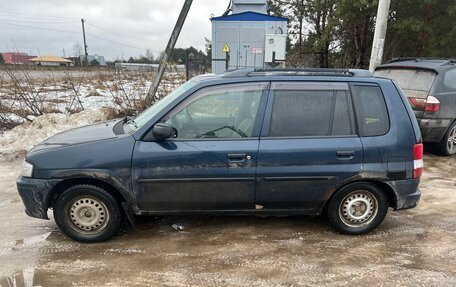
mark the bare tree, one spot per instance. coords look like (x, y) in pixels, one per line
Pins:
(149, 55)
(77, 49)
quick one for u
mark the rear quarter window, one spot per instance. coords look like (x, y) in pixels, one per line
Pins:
(373, 119)
(450, 79)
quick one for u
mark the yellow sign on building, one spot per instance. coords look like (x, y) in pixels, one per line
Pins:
(226, 48)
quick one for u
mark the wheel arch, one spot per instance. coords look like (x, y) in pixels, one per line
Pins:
(386, 188)
(67, 183)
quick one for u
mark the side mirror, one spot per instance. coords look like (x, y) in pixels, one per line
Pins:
(162, 131)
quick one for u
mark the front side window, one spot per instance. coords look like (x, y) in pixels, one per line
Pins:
(227, 111)
(141, 119)
(313, 112)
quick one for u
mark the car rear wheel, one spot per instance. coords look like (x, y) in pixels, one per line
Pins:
(357, 208)
(448, 145)
(87, 213)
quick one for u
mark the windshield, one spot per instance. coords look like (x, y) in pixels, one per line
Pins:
(415, 83)
(141, 119)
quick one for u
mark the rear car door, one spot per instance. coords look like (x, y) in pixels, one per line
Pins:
(210, 163)
(308, 145)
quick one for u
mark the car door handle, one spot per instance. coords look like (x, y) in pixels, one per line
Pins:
(345, 154)
(236, 156)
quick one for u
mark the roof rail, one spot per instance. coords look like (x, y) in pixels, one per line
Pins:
(297, 72)
(450, 62)
(417, 59)
(233, 73)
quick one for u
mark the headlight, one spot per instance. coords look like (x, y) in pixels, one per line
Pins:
(26, 169)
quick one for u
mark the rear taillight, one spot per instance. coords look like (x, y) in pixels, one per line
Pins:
(418, 160)
(429, 105)
(432, 105)
(417, 103)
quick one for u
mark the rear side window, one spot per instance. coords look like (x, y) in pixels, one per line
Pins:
(298, 113)
(371, 110)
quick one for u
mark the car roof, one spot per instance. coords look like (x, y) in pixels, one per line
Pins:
(434, 64)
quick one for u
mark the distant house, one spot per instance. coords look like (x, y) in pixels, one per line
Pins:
(91, 58)
(76, 61)
(17, 58)
(51, 61)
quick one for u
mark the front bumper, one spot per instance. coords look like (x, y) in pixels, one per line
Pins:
(36, 194)
(406, 193)
(433, 130)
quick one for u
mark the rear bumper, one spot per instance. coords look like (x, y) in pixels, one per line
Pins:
(433, 130)
(406, 193)
(35, 194)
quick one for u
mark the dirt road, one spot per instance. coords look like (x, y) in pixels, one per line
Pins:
(416, 247)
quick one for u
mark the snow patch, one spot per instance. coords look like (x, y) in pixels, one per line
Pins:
(24, 137)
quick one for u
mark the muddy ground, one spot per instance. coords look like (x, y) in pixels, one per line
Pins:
(416, 247)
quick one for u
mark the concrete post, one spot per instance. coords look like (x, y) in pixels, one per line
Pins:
(85, 44)
(167, 53)
(379, 36)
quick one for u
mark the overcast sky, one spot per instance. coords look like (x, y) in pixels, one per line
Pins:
(114, 28)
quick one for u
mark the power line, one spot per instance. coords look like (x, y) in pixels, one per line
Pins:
(117, 35)
(37, 22)
(115, 42)
(74, 32)
(141, 41)
(125, 43)
(39, 28)
(27, 15)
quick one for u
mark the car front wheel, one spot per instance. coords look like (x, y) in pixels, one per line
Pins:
(357, 208)
(87, 213)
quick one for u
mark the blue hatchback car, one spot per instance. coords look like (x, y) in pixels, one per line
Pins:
(264, 142)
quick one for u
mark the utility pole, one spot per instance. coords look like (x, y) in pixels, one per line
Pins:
(379, 35)
(187, 64)
(169, 48)
(84, 63)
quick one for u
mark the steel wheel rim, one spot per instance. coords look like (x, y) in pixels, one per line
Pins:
(88, 215)
(451, 143)
(358, 208)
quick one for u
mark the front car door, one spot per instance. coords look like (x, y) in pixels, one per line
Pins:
(308, 145)
(210, 163)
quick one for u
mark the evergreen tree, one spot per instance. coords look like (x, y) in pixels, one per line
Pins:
(94, 62)
(339, 33)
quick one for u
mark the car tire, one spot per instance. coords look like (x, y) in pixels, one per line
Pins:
(357, 208)
(447, 146)
(87, 213)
